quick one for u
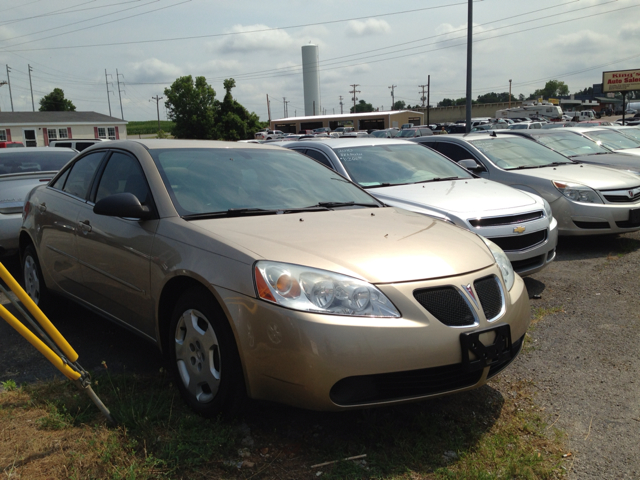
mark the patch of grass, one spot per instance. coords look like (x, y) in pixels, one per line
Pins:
(149, 126)
(9, 385)
(493, 432)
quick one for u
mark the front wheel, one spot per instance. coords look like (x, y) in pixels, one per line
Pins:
(33, 280)
(204, 356)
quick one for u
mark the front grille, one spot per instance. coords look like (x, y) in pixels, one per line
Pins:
(520, 242)
(527, 264)
(627, 224)
(622, 198)
(447, 305)
(393, 386)
(591, 225)
(506, 220)
(490, 296)
(384, 387)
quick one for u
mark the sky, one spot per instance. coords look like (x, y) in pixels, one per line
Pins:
(147, 44)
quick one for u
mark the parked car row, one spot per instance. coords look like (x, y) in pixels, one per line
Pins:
(324, 273)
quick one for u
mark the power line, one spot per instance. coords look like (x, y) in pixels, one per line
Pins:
(196, 37)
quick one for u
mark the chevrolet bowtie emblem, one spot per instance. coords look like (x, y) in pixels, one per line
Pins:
(519, 229)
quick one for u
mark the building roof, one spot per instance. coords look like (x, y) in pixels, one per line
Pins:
(608, 100)
(66, 118)
(345, 115)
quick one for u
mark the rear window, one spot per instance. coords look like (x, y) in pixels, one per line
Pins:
(23, 161)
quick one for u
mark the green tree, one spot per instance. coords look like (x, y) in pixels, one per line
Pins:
(362, 106)
(553, 88)
(55, 102)
(399, 105)
(235, 121)
(494, 97)
(449, 102)
(193, 107)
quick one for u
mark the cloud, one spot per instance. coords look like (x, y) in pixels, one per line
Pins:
(268, 40)
(153, 69)
(371, 26)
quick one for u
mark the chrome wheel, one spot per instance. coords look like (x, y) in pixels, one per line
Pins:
(31, 279)
(197, 355)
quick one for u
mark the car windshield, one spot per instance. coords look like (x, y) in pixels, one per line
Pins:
(570, 144)
(24, 161)
(612, 140)
(633, 133)
(407, 132)
(387, 165)
(513, 153)
(213, 180)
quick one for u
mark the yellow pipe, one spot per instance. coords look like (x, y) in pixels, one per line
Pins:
(53, 332)
(41, 346)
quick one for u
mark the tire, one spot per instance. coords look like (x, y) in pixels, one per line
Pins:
(204, 356)
(33, 280)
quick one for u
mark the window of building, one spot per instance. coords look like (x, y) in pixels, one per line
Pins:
(52, 133)
(3, 135)
(107, 132)
(62, 133)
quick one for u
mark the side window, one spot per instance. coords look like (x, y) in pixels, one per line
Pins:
(80, 146)
(59, 183)
(454, 152)
(123, 174)
(319, 156)
(63, 144)
(81, 174)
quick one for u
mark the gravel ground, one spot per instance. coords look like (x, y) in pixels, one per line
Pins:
(582, 355)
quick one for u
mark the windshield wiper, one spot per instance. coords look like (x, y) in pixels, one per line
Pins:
(439, 179)
(554, 164)
(330, 205)
(232, 212)
(383, 185)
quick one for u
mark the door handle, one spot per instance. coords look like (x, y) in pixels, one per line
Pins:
(85, 226)
(42, 207)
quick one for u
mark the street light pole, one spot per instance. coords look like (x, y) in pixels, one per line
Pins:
(469, 62)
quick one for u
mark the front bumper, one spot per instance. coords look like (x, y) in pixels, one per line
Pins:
(593, 218)
(297, 358)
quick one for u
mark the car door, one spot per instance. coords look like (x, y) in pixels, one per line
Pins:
(56, 211)
(114, 252)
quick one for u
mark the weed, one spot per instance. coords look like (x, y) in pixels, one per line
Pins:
(9, 385)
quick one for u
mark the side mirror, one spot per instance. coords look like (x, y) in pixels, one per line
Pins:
(124, 205)
(470, 164)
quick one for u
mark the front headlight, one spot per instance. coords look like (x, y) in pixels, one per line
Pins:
(547, 208)
(320, 291)
(577, 192)
(508, 275)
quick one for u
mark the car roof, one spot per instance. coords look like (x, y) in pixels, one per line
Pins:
(28, 150)
(342, 142)
(152, 144)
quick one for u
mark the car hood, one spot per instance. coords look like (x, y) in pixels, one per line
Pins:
(379, 245)
(617, 160)
(593, 176)
(466, 196)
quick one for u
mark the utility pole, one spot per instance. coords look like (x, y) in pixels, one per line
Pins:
(157, 99)
(119, 94)
(509, 93)
(341, 104)
(422, 98)
(285, 105)
(9, 82)
(268, 109)
(393, 98)
(106, 81)
(469, 62)
(428, 94)
(354, 98)
(33, 105)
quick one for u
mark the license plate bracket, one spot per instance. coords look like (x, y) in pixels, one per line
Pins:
(486, 355)
(634, 217)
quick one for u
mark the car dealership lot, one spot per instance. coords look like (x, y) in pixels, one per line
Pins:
(581, 357)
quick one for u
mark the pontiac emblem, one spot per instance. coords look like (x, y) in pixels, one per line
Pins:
(471, 294)
(630, 193)
(519, 229)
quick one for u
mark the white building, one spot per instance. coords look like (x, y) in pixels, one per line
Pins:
(36, 129)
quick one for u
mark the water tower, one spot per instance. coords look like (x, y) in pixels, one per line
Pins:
(311, 80)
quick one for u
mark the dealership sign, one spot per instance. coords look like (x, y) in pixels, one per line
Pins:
(621, 81)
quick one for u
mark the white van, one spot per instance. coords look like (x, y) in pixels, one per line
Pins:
(78, 144)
